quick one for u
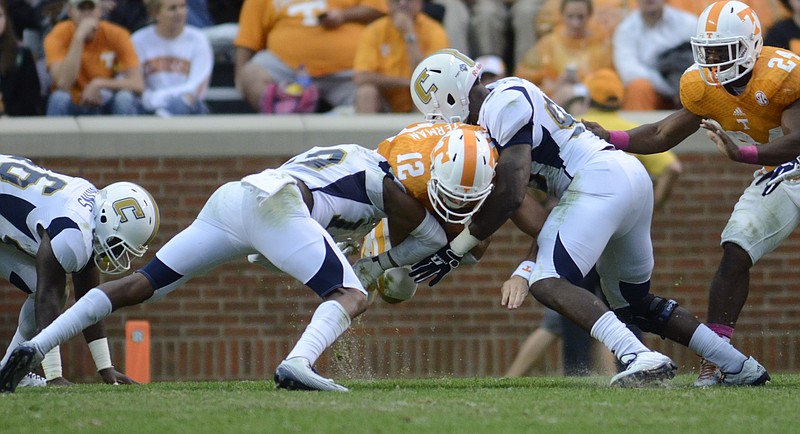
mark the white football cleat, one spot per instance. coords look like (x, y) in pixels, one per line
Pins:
(709, 376)
(751, 374)
(644, 368)
(32, 380)
(21, 362)
(297, 374)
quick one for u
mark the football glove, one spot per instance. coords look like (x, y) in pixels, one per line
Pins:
(368, 270)
(779, 174)
(436, 265)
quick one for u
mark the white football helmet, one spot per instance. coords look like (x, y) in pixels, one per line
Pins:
(462, 168)
(125, 221)
(727, 42)
(441, 83)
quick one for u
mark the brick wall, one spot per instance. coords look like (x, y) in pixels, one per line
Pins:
(239, 321)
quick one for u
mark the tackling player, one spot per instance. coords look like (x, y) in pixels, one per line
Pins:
(291, 216)
(603, 217)
(746, 96)
(52, 225)
(448, 166)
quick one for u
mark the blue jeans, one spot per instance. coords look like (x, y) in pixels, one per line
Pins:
(122, 102)
(177, 106)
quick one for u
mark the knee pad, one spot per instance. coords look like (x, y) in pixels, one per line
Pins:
(649, 314)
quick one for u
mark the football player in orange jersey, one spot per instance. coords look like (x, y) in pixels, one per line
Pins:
(745, 96)
(435, 182)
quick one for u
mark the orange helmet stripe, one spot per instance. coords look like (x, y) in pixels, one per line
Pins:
(470, 157)
(713, 16)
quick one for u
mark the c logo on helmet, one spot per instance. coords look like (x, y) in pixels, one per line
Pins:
(130, 204)
(424, 94)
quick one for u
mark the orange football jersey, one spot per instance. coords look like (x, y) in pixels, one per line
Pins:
(754, 116)
(409, 154)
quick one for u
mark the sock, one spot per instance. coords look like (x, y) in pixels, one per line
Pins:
(52, 364)
(330, 320)
(15, 341)
(725, 332)
(716, 349)
(91, 308)
(616, 336)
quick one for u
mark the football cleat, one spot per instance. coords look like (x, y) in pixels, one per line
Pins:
(297, 374)
(644, 368)
(751, 374)
(31, 379)
(22, 361)
(709, 376)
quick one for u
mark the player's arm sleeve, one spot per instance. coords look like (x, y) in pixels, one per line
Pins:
(70, 246)
(509, 118)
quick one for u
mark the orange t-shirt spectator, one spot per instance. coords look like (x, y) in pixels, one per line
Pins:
(276, 38)
(389, 50)
(93, 65)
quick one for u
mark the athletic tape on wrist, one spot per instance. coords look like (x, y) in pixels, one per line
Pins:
(51, 364)
(464, 242)
(100, 354)
(524, 270)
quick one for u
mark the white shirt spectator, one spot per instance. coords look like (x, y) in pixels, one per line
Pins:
(173, 68)
(637, 46)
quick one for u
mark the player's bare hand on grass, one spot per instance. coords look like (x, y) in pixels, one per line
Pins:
(514, 291)
(59, 381)
(112, 376)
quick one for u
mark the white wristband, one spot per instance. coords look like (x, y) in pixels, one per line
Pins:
(524, 270)
(464, 242)
(100, 354)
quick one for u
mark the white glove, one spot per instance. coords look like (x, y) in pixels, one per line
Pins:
(368, 270)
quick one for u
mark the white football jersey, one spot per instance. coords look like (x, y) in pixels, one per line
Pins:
(347, 184)
(31, 196)
(516, 111)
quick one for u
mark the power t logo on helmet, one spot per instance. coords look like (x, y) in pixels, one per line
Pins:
(727, 42)
(462, 169)
(126, 220)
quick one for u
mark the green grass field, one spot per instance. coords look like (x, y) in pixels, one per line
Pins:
(468, 405)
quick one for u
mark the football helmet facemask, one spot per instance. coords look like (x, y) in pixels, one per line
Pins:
(125, 221)
(441, 84)
(462, 168)
(727, 42)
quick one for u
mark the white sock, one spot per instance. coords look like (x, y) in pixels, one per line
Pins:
(15, 341)
(330, 320)
(91, 308)
(613, 334)
(716, 349)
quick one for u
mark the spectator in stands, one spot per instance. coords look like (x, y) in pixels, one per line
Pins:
(606, 94)
(275, 39)
(786, 32)
(639, 41)
(493, 68)
(389, 50)
(176, 61)
(561, 59)
(93, 64)
(605, 18)
(19, 84)
(131, 14)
